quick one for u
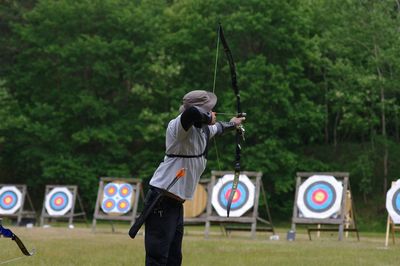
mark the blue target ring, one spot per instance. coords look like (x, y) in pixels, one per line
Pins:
(396, 202)
(123, 205)
(241, 195)
(8, 200)
(125, 190)
(319, 196)
(59, 201)
(110, 189)
(108, 205)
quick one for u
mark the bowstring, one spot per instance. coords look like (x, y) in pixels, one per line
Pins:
(11, 260)
(214, 86)
(216, 63)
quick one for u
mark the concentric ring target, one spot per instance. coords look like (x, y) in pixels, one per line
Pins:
(108, 205)
(123, 206)
(125, 190)
(10, 199)
(393, 202)
(243, 199)
(117, 198)
(58, 201)
(239, 199)
(320, 197)
(111, 189)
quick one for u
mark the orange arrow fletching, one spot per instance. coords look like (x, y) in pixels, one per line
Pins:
(181, 173)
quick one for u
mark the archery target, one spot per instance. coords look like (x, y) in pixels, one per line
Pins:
(111, 190)
(393, 202)
(117, 198)
(10, 199)
(243, 200)
(58, 201)
(320, 196)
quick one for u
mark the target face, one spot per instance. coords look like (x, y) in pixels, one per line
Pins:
(110, 190)
(117, 198)
(393, 202)
(108, 205)
(243, 200)
(10, 199)
(320, 196)
(58, 201)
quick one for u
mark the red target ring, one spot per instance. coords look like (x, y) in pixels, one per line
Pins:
(236, 197)
(320, 196)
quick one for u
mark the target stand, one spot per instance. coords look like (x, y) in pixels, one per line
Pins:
(117, 200)
(59, 203)
(195, 210)
(324, 199)
(393, 208)
(244, 214)
(13, 202)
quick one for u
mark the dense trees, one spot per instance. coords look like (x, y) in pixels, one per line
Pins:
(87, 87)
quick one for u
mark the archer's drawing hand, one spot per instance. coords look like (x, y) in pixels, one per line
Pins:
(213, 119)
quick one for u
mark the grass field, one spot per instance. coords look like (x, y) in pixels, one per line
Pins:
(79, 246)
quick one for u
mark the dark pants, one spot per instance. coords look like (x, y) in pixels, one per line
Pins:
(164, 232)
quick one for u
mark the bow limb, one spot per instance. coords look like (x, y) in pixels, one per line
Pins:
(7, 233)
(22, 246)
(239, 130)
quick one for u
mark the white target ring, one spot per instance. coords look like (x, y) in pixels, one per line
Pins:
(393, 202)
(10, 199)
(320, 196)
(243, 199)
(58, 201)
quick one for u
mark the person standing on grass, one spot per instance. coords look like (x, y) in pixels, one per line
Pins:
(187, 139)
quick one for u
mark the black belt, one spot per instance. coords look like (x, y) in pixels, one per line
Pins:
(184, 156)
(168, 195)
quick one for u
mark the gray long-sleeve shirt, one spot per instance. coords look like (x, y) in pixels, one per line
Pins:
(181, 142)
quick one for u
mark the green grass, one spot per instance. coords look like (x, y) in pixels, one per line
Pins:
(79, 246)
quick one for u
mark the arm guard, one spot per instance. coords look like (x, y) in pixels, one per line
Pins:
(224, 127)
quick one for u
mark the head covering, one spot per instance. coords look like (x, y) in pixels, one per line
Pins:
(203, 99)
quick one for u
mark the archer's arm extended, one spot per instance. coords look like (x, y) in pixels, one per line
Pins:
(234, 123)
(197, 117)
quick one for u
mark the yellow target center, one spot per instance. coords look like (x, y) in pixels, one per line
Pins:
(235, 196)
(58, 201)
(8, 200)
(122, 204)
(319, 196)
(109, 204)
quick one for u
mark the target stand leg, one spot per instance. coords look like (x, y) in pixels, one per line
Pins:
(387, 231)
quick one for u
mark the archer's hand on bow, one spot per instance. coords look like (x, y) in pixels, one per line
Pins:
(238, 121)
(239, 124)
